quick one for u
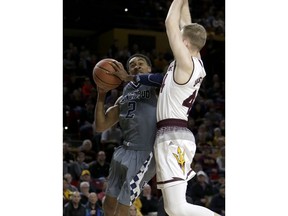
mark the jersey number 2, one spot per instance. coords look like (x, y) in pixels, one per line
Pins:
(132, 108)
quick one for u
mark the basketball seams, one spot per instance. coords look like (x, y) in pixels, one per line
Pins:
(103, 81)
(106, 70)
(103, 77)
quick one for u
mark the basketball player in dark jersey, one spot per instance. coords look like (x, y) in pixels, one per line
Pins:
(132, 163)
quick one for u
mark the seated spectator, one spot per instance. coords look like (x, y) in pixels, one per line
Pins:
(219, 183)
(77, 167)
(86, 177)
(134, 211)
(216, 134)
(208, 162)
(217, 203)
(68, 156)
(74, 207)
(196, 167)
(92, 207)
(222, 127)
(84, 192)
(66, 192)
(86, 148)
(99, 168)
(87, 88)
(221, 160)
(201, 192)
(102, 194)
(68, 178)
(65, 167)
(149, 202)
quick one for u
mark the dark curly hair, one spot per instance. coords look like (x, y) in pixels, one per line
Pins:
(141, 56)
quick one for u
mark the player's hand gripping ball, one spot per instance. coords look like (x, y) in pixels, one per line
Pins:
(102, 75)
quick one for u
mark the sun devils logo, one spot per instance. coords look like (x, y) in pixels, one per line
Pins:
(180, 158)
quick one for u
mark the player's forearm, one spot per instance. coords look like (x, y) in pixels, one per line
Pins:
(151, 79)
(185, 18)
(99, 113)
(173, 15)
(146, 79)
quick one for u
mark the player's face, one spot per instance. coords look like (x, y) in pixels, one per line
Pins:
(138, 65)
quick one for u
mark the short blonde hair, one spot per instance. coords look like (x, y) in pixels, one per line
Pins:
(196, 34)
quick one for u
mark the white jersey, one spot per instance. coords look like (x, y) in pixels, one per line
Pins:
(175, 100)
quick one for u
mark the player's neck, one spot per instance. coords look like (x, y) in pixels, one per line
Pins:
(195, 54)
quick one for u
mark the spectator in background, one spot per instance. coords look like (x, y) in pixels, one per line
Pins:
(86, 147)
(69, 179)
(216, 135)
(221, 160)
(217, 203)
(87, 88)
(92, 207)
(102, 194)
(222, 127)
(86, 177)
(196, 167)
(197, 112)
(202, 191)
(160, 63)
(68, 157)
(133, 211)
(208, 162)
(99, 168)
(74, 206)
(214, 116)
(84, 189)
(149, 202)
(66, 192)
(78, 166)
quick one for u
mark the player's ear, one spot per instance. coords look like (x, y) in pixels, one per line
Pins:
(149, 69)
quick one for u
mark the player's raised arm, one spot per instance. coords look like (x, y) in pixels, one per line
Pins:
(185, 15)
(179, 45)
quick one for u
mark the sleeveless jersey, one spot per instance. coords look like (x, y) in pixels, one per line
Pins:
(176, 100)
(138, 116)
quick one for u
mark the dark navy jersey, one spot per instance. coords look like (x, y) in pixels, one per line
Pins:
(138, 115)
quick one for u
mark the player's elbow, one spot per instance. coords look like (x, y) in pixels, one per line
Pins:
(168, 21)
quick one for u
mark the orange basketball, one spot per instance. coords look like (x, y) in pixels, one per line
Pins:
(101, 75)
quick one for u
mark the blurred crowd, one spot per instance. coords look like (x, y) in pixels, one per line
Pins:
(140, 14)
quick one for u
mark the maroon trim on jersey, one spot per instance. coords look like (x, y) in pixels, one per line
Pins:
(172, 180)
(171, 123)
(190, 75)
(200, 61)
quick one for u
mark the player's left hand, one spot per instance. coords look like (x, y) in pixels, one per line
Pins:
(119, 70)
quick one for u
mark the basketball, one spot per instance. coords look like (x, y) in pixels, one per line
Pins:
(101, 75)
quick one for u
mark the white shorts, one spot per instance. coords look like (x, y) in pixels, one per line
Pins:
(174, 150)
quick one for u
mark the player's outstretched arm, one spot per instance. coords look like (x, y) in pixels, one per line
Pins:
(181, 53)
(145, 79)
(185, 15)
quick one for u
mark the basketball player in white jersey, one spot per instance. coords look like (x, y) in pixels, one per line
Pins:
(175, 146)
